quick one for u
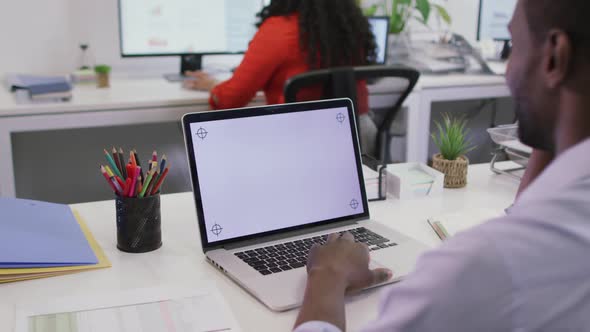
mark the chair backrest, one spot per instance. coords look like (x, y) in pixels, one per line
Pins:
(341, 83)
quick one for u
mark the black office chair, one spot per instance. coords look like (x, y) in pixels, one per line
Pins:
(341, 83)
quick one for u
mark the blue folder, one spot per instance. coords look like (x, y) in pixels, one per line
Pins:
(38, 234)
(37, 85)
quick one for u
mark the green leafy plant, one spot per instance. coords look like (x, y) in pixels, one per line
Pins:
(102, 69)
(451, 138)
(402, 11)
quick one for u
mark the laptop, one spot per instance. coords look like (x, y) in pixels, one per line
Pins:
(270, 182)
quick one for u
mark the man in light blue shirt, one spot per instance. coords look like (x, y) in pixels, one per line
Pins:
(528, 271)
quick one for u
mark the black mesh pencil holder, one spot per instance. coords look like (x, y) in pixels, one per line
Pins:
(138, 223)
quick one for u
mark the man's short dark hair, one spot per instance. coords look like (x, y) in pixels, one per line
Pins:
(571, 16)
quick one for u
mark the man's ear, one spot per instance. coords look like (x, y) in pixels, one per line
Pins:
(558, 58)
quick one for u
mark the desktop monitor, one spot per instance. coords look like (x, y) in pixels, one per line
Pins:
(380, 28)
(186, 28)
(494, 17)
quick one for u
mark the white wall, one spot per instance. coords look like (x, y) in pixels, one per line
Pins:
(101, 31)
(465, 14)
(42, 36)
(36, 36)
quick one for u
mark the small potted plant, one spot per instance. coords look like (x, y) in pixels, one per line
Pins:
(102, 75)
(452, 142)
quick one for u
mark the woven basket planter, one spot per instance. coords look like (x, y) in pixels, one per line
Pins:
(455, 171)
(102, 80)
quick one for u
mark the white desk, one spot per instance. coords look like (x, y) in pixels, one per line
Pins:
(180, 259)
(155, 101)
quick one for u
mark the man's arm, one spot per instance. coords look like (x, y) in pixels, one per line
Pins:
(323, 301)
(339, 266)
(537, 163)
(462, 286)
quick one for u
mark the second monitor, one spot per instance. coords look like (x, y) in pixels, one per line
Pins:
(186, 28)
(494, 17)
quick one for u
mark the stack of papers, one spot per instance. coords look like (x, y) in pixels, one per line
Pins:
(418, 180)
(41, 88)
(39, 239)
(196, 307)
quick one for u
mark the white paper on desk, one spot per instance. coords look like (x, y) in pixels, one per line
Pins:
(167, 308)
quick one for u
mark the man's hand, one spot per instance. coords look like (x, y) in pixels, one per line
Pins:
(346, 261)
(338, 266)
(199, 80)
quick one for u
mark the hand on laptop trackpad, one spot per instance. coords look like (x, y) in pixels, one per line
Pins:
(373, 264)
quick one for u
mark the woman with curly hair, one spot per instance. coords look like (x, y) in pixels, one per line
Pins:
(296, 36)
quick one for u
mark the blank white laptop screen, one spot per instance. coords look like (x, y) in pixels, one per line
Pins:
(266, 173)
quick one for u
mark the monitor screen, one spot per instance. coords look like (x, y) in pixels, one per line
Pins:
(494, 17)
(173, 27)
(380, 28)
(284, 170)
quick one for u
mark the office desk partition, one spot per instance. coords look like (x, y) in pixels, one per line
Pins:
(145, 101)
(181, 261)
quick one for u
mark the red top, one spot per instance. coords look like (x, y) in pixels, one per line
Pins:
(274, 55)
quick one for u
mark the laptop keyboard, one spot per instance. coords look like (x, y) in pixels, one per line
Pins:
(293, 255)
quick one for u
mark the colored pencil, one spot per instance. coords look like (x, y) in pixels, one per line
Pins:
(153, 183)
(119, 189)
(162, 164)
(155, 156)
(112, 179)
(146, 183)
(117, 161)
(122, 162)
(137, 188)
(160, 180)
(109, 171)
(106, 176)
(141, 177)
(112, 162)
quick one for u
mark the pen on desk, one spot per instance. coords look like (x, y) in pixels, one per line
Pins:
(440, 230)
(112, 162)
(160, 180)
(123, 164)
